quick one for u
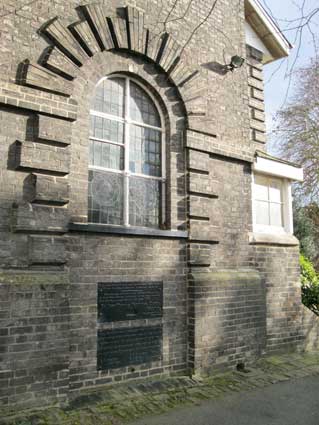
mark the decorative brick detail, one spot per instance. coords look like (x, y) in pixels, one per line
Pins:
(202, 184)
(38, 156)
(259, 136)
(211, 145)
(95, 16)
(35, 100)
(37, 76)
(199, 254)
(136, 31)
(203, 231)
(37, 218)
(57, 62)
(54, 129)
(198, 161)
(48, 189)
(257, 94)
(257, 125)
(83, 34)
(257, 104)
(253, 82)
(62, 38)
(46, 250)
(199, 206)
(258, 115)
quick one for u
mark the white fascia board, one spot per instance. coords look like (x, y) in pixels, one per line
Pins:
(270, 25)
(279, 169)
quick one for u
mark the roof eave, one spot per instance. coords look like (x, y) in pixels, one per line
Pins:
(267, 30)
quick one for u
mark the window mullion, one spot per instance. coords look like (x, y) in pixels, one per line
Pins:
(126, 152)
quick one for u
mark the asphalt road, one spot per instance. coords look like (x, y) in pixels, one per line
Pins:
(294, 402)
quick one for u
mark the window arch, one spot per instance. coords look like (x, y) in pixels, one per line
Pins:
(127, 152)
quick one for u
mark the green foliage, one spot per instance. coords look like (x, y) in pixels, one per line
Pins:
(306, 229)
(309, 285)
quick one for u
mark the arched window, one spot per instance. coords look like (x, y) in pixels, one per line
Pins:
(126, 164)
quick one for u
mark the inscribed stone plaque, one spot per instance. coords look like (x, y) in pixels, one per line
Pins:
(128, 346)
(129, 301)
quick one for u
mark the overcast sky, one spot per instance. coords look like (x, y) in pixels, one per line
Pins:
(276, 82)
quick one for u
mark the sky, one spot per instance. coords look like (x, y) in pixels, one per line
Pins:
(277, 80)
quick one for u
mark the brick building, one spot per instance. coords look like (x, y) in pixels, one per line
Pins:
(144, 229)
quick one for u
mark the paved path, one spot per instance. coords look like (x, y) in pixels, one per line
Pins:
(294, 402)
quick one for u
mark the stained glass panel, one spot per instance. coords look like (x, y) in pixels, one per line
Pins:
(145, 151)
(105, 197)
(142, 108)
(109, 96)
(144, 202)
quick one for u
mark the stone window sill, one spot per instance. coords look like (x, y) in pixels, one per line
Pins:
(134, 231)
(272, 239)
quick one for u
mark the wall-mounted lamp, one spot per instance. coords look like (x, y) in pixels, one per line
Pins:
(235, 62)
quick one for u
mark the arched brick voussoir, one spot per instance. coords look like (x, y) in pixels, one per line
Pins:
(35, 75)
(62, 38)
(97, 21)
(54, 60)
(82, 33)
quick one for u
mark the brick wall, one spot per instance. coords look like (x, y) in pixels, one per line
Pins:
(34, 339)
(45, 94)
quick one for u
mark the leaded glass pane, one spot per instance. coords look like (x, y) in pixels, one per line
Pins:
(105, 197)
(275, 190)
(262, 212)
(142, 108)
(145, 151)
(103, 128)
(261, 188)
(275, 215)
(144, 202)
(109, 97)
(106, 155)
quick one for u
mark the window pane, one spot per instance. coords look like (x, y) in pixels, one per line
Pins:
(106, 155)
(142, 108)
(109, 97)
(275, 190)
(261, 188)
(145, 151)
(262, 212)
(275, 215)
(103, 128)
(105, 197)
(144, 202)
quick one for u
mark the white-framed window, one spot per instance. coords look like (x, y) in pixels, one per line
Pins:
(272, 204)
(127, 155)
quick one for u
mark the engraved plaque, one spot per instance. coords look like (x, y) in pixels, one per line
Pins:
(129, 301)
(128, 346)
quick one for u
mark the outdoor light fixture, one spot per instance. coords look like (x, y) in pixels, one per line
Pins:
(235, 62)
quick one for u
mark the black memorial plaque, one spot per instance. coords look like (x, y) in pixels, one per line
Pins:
(128, 346)
(129, 301)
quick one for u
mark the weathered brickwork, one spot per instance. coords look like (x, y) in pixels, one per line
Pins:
(227, 318)
(279, 269)
(117, 259)
(34, 339)
(227, 298)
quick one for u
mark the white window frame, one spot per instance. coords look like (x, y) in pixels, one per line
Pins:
(127, 122)
(287, 227)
